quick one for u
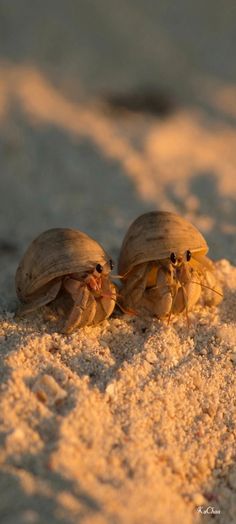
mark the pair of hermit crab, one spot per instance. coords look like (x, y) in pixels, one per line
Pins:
(162, 265)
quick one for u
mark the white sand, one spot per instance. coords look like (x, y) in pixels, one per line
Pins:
(133, 421)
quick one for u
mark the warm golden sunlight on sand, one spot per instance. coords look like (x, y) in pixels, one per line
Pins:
(108, 112)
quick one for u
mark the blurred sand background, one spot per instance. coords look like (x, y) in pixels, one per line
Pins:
(144, 426)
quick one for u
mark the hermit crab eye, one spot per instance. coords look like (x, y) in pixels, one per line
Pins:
(99, 268)
(111, 264)
(188, 255)
(173, 258)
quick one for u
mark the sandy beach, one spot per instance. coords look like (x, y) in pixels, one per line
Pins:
(132, 421)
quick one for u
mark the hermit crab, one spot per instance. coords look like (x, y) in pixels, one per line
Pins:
(66, 264)
(164, 268)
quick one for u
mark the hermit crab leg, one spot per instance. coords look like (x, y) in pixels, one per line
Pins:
(135, 287)
(80, 294)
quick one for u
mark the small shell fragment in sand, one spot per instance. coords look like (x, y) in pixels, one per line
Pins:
(111, 390)
(198, 499)
(151, 357)
(48, 390)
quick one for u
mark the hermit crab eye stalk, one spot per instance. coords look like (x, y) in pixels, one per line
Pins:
(188, 255)
(111, 264)
(173, 259)
(99, 268)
